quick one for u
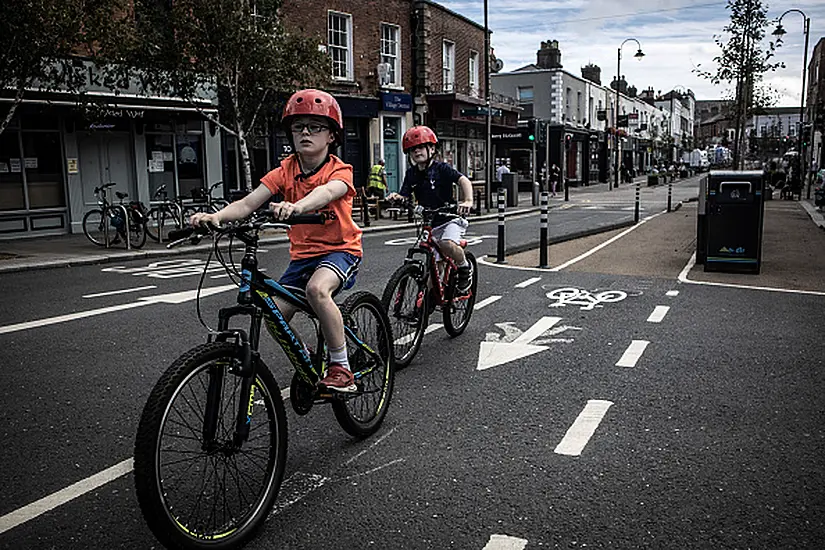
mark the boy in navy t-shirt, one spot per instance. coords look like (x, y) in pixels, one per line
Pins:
(432, 183)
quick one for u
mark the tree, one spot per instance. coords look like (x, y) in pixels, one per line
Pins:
(37, 40)
(238, 48)
(742, 63)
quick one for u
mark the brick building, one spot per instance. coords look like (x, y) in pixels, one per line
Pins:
(816, 102)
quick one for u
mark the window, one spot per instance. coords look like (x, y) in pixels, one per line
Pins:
(340, 45)
(390, 54)
(473, 77)
(448, 66)
(525, 94)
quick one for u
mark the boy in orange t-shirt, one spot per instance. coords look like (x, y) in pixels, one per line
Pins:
(324, 258)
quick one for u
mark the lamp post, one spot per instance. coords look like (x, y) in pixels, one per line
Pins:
(639, 55)
(779, 32)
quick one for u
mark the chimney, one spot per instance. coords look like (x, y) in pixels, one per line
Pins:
(631, 91)
(593, 73)
(549, 56)
(621, 85)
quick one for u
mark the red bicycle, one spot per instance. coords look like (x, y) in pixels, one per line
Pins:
(422, 285)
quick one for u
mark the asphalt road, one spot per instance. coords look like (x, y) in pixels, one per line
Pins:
(709, 435)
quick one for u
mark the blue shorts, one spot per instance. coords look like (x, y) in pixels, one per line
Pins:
(343, 264)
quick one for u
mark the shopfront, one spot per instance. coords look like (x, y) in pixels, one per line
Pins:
(393, 121)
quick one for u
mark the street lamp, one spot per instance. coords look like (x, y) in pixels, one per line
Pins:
(779, 32)
(639, 55)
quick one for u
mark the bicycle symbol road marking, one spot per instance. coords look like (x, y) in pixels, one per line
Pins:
(585, 299)
(407, 241)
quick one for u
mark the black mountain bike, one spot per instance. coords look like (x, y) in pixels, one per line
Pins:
(420, 286)
(107, 225)
(211, 443)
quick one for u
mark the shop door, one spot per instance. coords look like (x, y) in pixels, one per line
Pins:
(354, 153)
(105, 158)
(392, 131)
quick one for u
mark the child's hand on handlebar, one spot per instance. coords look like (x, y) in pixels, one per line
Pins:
(284, 209)
(204, 218)
(394, 197)
(464, 207)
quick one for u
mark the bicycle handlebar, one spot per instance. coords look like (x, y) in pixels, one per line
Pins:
(104, 186)
(195, 234)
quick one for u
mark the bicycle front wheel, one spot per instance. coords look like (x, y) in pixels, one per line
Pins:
(405, 299)
(206, 491)
(370, 357)
(97, 228)
(459, 307)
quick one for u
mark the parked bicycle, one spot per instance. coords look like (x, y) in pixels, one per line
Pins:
(108, 224)
(211, 443)
(164, 217)
(420, 286)
(203, 201)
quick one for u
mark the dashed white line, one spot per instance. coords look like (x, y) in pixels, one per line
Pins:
(48, 503)
(658, 314)
(123, 291)
(672, 293)
(409, 337)
(486, 302)
(504, 542)
(528, 282)
(583, 428)
(632, 354)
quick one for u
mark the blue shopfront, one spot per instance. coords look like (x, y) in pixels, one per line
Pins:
(395, 107)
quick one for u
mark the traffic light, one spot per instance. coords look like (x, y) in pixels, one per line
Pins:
(568, 141)
(531, 129)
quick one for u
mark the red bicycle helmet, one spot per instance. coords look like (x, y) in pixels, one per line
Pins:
(418, 135)
(315, 103)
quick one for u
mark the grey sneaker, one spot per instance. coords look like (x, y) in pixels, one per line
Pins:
(465, 278)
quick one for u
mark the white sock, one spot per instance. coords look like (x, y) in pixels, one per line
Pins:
(339, 355)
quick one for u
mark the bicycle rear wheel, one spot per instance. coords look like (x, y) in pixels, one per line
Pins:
(161, 218)
(459, 308)
(197, 493)
(406, 301)
(360, 414)
(97, 228)
(137, 233)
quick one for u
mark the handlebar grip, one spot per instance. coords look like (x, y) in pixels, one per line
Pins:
(179, 234)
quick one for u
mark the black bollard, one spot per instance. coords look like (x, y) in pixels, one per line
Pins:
(543, 231)
(478, 203)
(636, 209)
(566, 189)
(500, 248)
(669, 193)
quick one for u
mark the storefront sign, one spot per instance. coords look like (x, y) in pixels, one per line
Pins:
(71, 165)
(519, 134)
(396, 102)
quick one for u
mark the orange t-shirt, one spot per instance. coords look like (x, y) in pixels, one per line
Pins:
(336, 235)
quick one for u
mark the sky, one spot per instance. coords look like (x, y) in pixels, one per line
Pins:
(676, 36)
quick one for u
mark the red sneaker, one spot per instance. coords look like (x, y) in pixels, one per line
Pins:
(339, 379)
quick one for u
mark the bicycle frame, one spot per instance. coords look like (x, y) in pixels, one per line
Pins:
(256, 300)
(428, 246)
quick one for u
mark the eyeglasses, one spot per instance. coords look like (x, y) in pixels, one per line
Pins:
(313, 127)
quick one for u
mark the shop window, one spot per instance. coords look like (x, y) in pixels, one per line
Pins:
(190, 163)
(160, 156)
(43, 162)
(12, 196)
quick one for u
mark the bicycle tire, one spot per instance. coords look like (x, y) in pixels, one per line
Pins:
(361, 414)
(458, 309)
(170, 483)
(94, 227)
(405, 300)
(137, 233)
(154, 218)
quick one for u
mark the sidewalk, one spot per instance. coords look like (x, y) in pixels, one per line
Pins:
(75, 249)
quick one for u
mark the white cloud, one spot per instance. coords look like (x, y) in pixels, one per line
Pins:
(676, 37)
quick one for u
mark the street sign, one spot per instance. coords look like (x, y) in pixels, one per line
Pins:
(622, 121)
(479, 111)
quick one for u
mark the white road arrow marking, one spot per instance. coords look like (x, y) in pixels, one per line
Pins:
(172, 298)
(493, 354)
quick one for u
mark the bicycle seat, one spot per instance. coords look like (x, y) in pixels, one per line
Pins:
(120, 195)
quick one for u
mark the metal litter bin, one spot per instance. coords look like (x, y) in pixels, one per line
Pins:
(510, 183)
(735, 215)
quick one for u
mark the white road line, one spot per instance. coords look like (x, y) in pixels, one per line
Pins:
(528, 282)
(486, 302)
(46, 504)
(658, 314)
(608, 242)
(124, 291)
(632, 354)
(672, 293)
(296, 487)
(504, 542)
(70, 317)
(692, 261)
(583, 428)
(409, 337)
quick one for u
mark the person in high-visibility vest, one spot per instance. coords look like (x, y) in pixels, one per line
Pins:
(377, 184)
